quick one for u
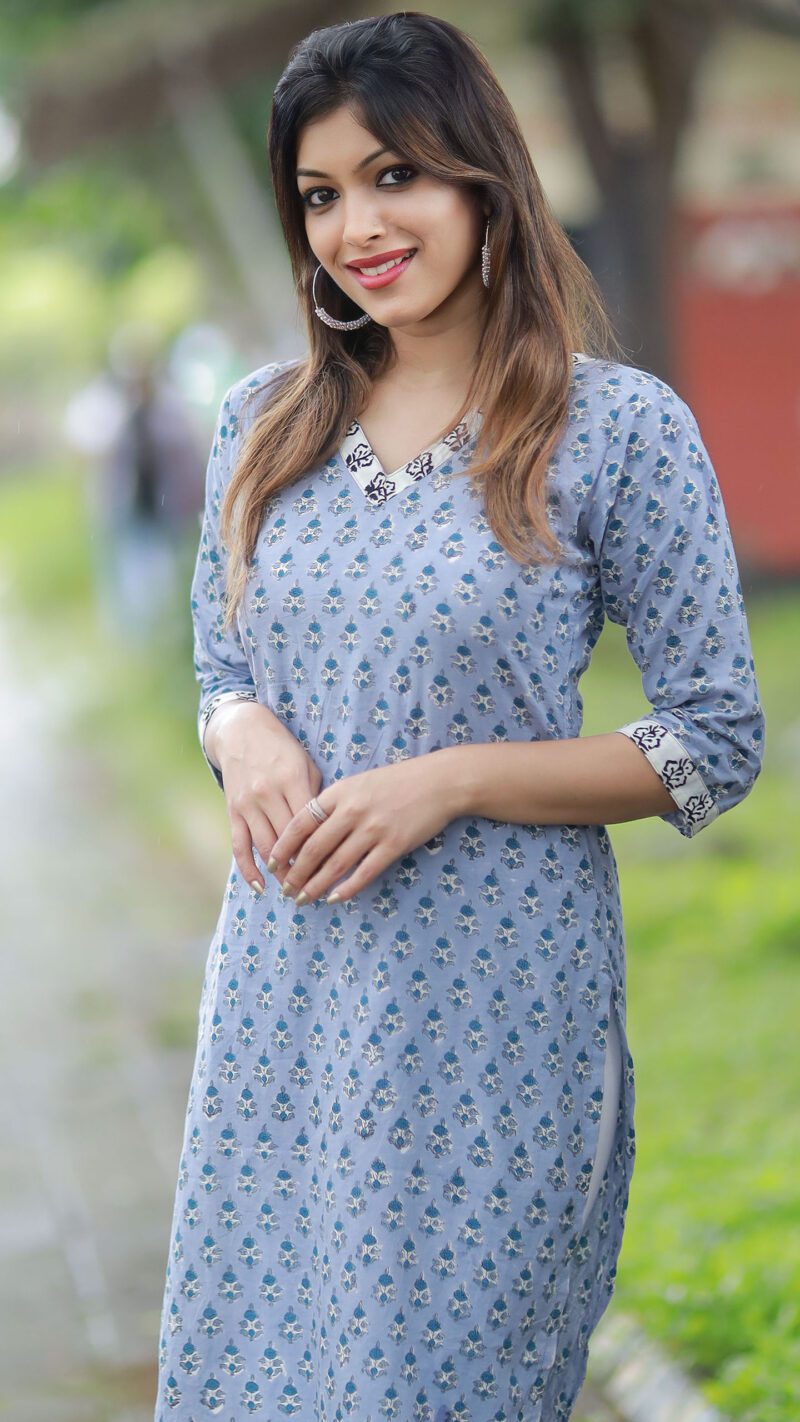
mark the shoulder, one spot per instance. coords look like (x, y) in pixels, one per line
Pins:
(239, 404)
(630, 440)
(247, 394)
(616, 398)
(620, 418)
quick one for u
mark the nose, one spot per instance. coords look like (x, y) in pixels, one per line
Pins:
(363, 223)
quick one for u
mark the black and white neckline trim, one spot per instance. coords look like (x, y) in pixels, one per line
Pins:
(377, 486)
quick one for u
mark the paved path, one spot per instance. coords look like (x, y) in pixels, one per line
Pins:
(103, 940)
(102, 943)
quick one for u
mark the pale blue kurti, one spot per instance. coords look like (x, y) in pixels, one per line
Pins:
(383, 1208)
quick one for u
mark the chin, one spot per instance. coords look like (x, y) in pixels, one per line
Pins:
(401, 317)
(411, 318)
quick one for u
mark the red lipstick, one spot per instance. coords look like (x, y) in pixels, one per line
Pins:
(380, 257)
(383, 278)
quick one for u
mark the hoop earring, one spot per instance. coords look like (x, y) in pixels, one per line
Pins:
(485, 257)
(331, 320)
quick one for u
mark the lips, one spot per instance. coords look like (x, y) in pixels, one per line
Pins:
(378, 261)
(378, 277)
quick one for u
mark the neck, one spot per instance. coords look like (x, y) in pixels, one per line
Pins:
(441, 351)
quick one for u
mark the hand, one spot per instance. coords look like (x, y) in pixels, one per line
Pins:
(267, 778)
(374, 817)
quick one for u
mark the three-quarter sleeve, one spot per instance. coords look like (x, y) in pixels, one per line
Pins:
(220, 663)
(668, 573)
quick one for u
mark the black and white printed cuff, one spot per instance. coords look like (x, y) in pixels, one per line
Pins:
(677, 770)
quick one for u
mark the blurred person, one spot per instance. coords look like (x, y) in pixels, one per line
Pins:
(146, 493)
(409, 1138)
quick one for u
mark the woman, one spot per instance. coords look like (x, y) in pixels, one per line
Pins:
(409, 1140)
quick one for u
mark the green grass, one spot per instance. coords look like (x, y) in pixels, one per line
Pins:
(45, 543)
(711, 1256)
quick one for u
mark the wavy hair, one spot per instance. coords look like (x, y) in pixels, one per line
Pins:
(542, 303)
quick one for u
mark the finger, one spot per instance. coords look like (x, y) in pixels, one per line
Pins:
(374, 863)
(249, 834)
(268, 822)
(294, 835)
(242, 845)
(265, 828)
(323, 854)
(342, 859)
(320, 843)
(313, 784)
(305, 782)
(289, 843)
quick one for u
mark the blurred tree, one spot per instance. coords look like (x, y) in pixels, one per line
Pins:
(164, 77)
(629, 69)
(160, 80)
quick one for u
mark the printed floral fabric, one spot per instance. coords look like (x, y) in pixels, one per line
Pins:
(391, 1198)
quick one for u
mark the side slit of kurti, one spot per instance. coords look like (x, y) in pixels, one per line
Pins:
(590, 1276)
(612, 1082)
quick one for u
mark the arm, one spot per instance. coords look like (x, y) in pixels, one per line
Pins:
(220, 661)
(656, 525)
(586, 780)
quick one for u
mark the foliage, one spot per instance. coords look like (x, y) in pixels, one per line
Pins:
(711, 1255)
(97, 209)
(56, 319)
(549, 18)
(25, 28)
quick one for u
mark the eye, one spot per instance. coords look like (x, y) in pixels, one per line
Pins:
(310, 194)
(398, 168)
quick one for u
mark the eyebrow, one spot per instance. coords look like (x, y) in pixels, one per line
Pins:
(370, 158)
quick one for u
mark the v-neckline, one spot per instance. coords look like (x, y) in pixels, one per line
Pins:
(361, 460)
(378, 486)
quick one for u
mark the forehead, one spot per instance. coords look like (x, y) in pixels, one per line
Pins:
(337, 137)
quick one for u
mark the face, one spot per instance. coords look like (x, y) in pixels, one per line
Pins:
(368, 203)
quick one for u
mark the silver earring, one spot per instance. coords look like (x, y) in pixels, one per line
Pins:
(485, 263)
(331, 320)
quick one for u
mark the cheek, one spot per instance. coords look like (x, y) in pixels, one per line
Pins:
(311, 248)
(456, 234)
(318, 236)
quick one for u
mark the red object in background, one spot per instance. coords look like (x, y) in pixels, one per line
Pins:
(738, 350)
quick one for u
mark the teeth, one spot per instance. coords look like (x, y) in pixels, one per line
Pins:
(386, 266)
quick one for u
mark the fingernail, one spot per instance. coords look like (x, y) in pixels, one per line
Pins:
(254, 884)
(272, 864)
(302, 897)
(287, 888)
(332, 898)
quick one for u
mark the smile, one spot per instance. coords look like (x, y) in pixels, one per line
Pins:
(384, 274)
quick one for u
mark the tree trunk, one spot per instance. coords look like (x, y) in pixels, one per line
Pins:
(631, 247)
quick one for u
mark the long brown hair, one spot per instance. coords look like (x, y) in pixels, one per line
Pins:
(541, 305)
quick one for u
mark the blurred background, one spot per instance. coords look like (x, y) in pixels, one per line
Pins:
(141, 272)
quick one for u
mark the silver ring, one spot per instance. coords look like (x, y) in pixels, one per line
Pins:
(316, 809)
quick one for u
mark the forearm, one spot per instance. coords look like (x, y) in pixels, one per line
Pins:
(594, 780)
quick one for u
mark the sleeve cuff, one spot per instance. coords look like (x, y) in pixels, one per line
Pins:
(696, 806)
(243, 694)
